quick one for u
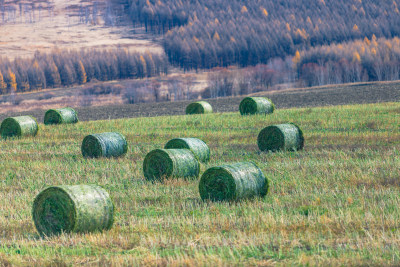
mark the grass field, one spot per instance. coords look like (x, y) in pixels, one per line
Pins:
(330, 95)
(337, 202)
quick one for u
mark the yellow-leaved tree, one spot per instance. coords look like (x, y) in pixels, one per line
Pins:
(296, 58)
(12, 81)
(3, 85)
(81, 73)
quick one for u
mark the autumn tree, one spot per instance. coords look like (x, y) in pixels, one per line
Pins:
(36, 76)
(66, 75)
(11, 81)
(52, 75)
(81, 73)
(3, 85)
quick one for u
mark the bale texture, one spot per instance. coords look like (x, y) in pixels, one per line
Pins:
(233, 182)
(197, 146)
(256, 105)
(76, 208)
(19, 126)
(281, 137)
(61, 115)
(104, 145)
(161, 164)
(200, 107)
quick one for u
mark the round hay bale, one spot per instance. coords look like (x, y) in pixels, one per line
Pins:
(233, 182)
(161, 164)
(61, 115)
(256, 105)
(76, 208)
(281, 137)
(200, 107)
(104, 145)
(197, 146)
(19, 126)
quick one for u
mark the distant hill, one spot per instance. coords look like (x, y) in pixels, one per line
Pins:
(28, 26)
(210, 33)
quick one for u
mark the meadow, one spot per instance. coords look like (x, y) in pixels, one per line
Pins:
(337, 202)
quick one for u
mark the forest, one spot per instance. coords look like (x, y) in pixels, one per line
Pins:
(357, 61)
(211, 33)
(249, 46)
(66, 68)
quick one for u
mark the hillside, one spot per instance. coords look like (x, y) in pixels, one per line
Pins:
(335, 203)
(210, 33)
(29, 26)
(251, 46)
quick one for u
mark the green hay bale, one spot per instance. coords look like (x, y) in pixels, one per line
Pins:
(200, 107)
(281, 137)
(256, 105)
(197, 146)
(61, 115)
(19, 126)
(162, 164)
(233, 182)
(76, 208)
(104, 145)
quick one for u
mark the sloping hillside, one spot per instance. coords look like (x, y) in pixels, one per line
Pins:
(29, 26)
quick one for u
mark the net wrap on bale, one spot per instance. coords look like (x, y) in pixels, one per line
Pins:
(76, 208)
(61, 115)
(111, 144)
(233, 182)
(162, 164)
(281, 137)
(200, 107)
(19, 126)
(197, 146)
(256, 105)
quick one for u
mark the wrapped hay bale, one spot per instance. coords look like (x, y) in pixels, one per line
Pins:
(200, 107)
(61, 115)
(256, 105)
(76, 208)
(19, 126)
(162, 164)
(104, 145)
(281, 137)
(197, 146)
(233, 182)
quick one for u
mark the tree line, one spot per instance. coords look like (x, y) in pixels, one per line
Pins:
(211, 33)
(67, 68)
(358, 61)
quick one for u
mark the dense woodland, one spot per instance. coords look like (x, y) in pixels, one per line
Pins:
(210, 33)
(66, 68)
(358, 61)
(292, 42)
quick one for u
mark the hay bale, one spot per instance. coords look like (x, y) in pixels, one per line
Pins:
(200, 107)
(19, 126)
(104, 145)
(233, 182)
(161, 164)
(281, 137)
(256, 105)
(76, 208)
(61, 115)
(197, 146)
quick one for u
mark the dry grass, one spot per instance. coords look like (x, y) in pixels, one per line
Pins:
(335, 203)
(62, 30)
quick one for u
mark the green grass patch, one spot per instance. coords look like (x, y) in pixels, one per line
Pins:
(337, 202)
